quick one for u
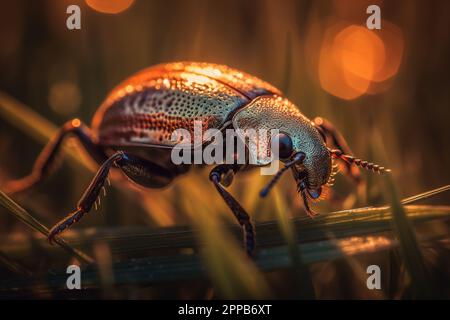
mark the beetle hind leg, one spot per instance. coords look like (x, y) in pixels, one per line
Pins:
(46, 161)
(217, 176)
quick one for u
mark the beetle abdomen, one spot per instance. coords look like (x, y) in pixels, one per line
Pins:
(149, 106)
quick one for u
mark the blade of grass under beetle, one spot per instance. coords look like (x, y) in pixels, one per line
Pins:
(22, 215)
(357, 231)
(421, 281)
(137, 241)
(300, 271)
(233, 274)
(167, 269)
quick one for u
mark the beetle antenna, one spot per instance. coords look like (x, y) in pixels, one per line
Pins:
(264, 192)
(298, 158)
(336, 153)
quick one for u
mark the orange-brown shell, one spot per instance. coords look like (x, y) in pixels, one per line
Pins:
(147, 107)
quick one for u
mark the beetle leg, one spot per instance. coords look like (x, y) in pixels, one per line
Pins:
(333, 136)
(45, 162)
(89, 197)
(138, 169)
(216, 176)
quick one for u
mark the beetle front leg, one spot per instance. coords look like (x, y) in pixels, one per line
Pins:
(217, 176)
(47, 158)
(333, 136)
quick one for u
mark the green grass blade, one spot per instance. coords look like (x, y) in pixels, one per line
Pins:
(421, 281)
(300, 271)
(14, 266)
(232, 273)
(137, 241)
(368, 226)
(22, 215)
(425, 195)
(168, 269)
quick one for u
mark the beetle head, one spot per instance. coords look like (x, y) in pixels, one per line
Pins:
(310, 164)
(300, 145)
(311, 171)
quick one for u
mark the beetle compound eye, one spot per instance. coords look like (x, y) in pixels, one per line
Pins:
(285, 147)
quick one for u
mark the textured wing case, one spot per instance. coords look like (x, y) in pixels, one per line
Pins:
(146, 108)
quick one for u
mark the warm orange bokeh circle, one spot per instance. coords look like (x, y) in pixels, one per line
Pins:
(109, 6)
(352, 58)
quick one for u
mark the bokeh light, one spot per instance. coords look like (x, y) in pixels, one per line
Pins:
(336, 56)
(352, 57)
(355, 245)
(64, 97)
(392, 38)
(109, 6)
(360, 51)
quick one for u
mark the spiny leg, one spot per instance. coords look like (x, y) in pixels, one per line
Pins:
(217, 175)
(45, 162)
(140, 170)
(89, 198)
(333, 136)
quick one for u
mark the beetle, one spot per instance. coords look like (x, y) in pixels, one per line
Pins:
(132, 129)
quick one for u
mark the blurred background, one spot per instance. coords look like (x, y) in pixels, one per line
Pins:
(386, 90)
